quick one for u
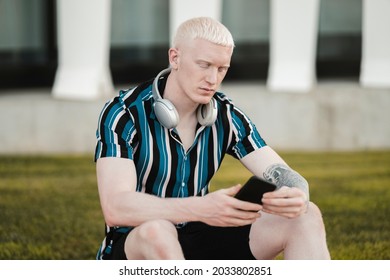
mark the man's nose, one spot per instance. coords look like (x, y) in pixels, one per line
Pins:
(212, 76)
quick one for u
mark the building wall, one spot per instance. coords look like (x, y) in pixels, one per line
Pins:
(140, 36)
(335, 114)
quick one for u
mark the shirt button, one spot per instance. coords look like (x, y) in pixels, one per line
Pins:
(183, 184)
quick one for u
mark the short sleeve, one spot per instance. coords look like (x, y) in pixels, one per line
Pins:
(115, 132)
(246, 137)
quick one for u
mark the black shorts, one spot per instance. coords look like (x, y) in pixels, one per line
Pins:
(200, 241)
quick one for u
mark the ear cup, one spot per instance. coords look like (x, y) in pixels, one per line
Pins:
(166, 113)
(164, 110)
(207, 114)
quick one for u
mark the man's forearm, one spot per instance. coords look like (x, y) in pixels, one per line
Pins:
(282, 175)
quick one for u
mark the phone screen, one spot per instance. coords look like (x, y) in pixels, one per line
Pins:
(253, 190)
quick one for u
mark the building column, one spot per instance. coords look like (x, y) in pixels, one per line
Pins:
(375, 65)
(83, 50)
(180, 11)
(293, 44)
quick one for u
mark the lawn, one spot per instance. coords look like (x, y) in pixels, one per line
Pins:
(49, 207)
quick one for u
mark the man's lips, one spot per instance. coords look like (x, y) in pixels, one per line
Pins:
(208, 90)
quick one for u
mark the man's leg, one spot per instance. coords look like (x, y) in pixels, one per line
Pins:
(299, 238)
(153, 240)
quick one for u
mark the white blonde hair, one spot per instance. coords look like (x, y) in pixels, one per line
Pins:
(204, 28)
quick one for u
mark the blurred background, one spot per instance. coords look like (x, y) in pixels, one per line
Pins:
(313, 75)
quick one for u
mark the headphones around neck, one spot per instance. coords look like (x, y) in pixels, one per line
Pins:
(167, 114)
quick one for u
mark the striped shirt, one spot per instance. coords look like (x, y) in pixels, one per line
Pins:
(128, 128)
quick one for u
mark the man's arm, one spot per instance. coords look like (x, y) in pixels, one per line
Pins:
(291, 198)
(123, 206)
(282, 175)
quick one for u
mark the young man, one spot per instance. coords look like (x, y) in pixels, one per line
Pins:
(160, 143)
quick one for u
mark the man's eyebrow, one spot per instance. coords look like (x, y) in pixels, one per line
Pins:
(210, 63)
(202, 61)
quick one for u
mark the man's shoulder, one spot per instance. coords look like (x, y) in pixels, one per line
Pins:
(136, 94)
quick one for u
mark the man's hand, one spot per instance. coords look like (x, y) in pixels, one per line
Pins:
(220, 208)
(287, 202)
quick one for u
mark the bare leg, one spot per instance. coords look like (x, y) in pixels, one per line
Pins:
(299, 238)
(153, 240)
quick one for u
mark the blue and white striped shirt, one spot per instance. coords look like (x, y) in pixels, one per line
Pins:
(128, 128)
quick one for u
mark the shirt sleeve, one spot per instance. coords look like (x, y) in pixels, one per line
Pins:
(246, 137)
(115, 131)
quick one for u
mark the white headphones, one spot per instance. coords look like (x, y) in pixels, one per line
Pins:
(167, 115)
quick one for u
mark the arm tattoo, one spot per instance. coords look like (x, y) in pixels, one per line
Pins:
(282, 175)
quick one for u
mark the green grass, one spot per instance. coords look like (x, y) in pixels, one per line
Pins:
(49, 206)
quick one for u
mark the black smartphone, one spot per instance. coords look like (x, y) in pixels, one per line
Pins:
(254, 189)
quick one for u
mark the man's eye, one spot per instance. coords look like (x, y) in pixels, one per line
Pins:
(204, 65)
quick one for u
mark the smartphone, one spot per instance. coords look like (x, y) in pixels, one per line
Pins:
(254, 189)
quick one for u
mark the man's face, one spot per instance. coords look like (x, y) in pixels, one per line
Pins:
(201, 66)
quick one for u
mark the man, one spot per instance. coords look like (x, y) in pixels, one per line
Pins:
(160, 144)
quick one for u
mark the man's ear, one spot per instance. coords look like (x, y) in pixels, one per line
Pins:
(173, 55)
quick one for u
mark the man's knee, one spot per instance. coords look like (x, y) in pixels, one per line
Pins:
(152, 240)
(312, 219)
(314, 211)
(156, 231)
